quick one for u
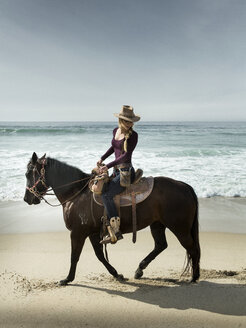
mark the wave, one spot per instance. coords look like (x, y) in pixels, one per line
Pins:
(54, 129)
(213, 165)
(14, 193)
(165, 131)
(40, 131)
(209, 176)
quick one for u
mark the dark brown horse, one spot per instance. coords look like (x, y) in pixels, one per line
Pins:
(172, 204)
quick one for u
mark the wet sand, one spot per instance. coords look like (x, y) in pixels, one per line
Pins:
(221, 214)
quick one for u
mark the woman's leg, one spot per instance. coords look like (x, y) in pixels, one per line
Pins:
(113, 223)
(113, 189)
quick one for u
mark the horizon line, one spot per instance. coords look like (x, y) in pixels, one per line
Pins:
(113, 121)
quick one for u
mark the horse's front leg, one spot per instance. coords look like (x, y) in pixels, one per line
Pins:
(98, 249)
(77, 243)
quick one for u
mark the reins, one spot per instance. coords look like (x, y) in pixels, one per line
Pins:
(74, 196)
(40, 195)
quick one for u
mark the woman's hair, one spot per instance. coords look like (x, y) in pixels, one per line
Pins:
(127, 133)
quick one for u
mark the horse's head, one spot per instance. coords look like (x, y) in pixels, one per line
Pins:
(35, 180)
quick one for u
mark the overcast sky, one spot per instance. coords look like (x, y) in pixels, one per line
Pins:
(83, 59)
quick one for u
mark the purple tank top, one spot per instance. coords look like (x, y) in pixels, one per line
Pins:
(117, 149)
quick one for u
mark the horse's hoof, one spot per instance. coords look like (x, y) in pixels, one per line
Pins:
(64, 282)
(121, 277)
(138, 273)
(193, 281)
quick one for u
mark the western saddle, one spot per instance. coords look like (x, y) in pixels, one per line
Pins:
(138, 191)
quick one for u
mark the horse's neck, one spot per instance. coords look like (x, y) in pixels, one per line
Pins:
(62, 184)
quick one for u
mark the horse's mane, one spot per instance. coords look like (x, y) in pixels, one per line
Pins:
(68, 172)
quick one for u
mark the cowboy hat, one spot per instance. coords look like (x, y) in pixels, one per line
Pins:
(127, 114)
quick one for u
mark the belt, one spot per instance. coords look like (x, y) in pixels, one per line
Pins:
(123, 166)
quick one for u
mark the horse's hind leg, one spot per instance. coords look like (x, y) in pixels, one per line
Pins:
(158, 233)
(193, 254)
(98, 249)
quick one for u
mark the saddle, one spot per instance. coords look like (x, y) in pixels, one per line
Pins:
(136, 193)
(141, 189)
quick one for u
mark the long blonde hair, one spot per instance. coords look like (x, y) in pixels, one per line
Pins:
(127, 133)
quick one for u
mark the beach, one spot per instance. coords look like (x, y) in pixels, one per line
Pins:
(34, 260)
(148, 86)
(221, 214)
(35, 245)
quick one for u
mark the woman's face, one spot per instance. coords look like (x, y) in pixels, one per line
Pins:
(127, 124)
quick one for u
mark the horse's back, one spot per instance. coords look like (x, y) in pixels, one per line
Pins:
(176, 202)
(170, 188)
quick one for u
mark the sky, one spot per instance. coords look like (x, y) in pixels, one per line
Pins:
(81, 60)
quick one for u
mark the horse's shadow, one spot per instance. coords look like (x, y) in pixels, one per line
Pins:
(208, 296)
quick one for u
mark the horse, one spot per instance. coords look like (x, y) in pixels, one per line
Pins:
(172, 204)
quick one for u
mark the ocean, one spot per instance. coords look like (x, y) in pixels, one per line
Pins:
(210, 156)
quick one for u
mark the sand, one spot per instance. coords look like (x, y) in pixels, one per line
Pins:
(33, 260)
(31, 265)
(223, 214)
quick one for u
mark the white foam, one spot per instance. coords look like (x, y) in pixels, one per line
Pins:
(209, 176)
(212, 167)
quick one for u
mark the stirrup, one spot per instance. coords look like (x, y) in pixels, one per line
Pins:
(107, 240)
(110, 238)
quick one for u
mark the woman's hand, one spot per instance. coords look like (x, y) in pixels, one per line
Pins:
(103, 169)
(99, 163)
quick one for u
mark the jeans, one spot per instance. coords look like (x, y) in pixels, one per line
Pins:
(114, 188)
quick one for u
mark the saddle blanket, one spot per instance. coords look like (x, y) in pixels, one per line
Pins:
(142, 190)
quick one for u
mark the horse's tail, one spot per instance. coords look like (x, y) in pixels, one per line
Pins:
(194, 234)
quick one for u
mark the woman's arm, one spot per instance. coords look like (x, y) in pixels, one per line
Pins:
(108, 153)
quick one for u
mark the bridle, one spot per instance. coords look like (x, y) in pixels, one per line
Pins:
(40, 194)
(33, 190)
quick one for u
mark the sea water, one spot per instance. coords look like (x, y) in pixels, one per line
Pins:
(210, 156)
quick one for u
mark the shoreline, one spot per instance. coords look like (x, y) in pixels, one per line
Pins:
(216, 214)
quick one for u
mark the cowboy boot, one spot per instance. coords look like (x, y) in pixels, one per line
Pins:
(115, 224)
(113, 230)
(110, 238)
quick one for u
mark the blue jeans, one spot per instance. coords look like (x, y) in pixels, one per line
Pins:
(114, 188)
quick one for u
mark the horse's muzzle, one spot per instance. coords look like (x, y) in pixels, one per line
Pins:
(31, 200)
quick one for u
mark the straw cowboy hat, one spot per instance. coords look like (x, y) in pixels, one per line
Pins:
(127, 114)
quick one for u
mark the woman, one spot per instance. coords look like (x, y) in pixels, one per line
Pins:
(123, 144)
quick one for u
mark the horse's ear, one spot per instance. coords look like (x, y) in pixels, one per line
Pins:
(34, 158)
(43, 157)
